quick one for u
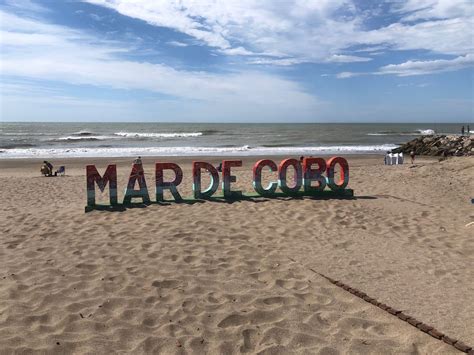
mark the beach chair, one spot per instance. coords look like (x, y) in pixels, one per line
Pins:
(394, 159)
(61, 171)
(397, 158)
(400, 158)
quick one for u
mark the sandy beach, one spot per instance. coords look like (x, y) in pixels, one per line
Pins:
(240, 277)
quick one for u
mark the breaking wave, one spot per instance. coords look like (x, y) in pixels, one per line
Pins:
(244, 150)
(83, 138)
(158, 135)
(418, 132)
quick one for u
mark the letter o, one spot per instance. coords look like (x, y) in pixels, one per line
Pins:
(344, 175)
(282, 169)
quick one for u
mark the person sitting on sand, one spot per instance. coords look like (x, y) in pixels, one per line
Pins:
(47, 168)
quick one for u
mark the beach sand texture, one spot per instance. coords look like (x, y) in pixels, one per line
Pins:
(218, 277)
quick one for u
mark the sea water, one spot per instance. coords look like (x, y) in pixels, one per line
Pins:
(49, 140)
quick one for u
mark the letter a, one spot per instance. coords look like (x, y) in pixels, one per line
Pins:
(137, 174)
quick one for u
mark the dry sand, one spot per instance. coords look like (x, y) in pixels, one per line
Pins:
(219, 277)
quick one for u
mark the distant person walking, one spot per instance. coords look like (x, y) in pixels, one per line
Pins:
(468, 131)
(412, 156)
(462, 131)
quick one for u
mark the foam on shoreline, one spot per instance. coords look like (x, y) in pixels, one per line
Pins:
(189, 151)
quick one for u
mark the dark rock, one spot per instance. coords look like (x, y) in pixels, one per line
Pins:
(439, 145)
(461, 346)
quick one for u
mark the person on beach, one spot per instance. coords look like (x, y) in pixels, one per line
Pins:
(412, 156)
(47, 168)
(468, 130)
(462, 131)
(138, 161)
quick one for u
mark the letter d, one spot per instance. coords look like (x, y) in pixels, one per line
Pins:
(198, 194)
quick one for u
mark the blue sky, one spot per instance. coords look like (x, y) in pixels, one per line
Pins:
(237, 61)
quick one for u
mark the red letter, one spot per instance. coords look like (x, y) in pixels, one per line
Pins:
(314, 174)
(137, 174)
(93, 176)
(344, 176)
(227, 178)
(257, 177)
(282, 176)
(197, 166)
(161, 185)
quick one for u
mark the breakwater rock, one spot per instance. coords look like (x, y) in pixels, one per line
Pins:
(439, 145)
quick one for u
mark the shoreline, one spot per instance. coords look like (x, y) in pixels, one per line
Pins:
(147, 160)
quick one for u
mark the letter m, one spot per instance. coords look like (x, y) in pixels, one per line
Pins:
(93, 177)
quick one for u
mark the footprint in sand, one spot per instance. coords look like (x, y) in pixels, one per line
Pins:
(250, 340)
(167, 283)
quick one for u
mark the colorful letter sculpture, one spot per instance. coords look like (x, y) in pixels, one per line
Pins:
(227, 178)
(309, 175)
(282, 173)
(344, 175)
(162, 185)
(110, 177)
(257, 177)
(137, 175)
(206, 194)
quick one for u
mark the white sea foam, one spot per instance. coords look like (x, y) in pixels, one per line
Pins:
(426, 132)
(158, 135)
(189, 151)
(85, 138)
(418, 132)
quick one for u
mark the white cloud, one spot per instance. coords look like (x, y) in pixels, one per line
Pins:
(26, 6)
(341, 58)
(433, 9)
(451, 36)
(308, 31)
(177, 44)
(271, 61)
(34, 50)
(410, 68)
(347, 74)
(421, 85)
(236, 51)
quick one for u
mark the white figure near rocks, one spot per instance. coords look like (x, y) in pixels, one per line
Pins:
(393, 159)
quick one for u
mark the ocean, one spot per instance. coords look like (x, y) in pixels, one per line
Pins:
(50, 140)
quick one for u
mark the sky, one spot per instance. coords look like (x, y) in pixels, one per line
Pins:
(237, 61)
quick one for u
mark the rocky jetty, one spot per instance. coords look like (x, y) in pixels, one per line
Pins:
(439, 145)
